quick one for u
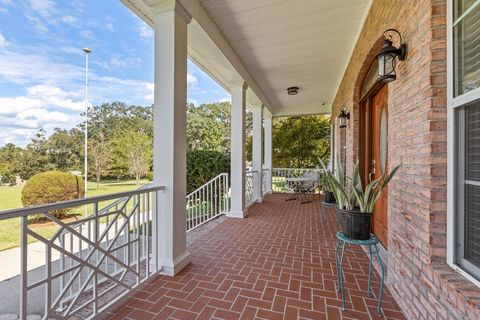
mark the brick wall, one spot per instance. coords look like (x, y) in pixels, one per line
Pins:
(424, 285)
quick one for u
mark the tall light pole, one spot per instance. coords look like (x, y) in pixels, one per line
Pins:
(86, 51)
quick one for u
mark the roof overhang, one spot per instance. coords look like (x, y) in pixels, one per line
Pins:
(272, 45)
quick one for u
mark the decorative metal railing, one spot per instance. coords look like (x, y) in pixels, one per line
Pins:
(208, 202)
(92, 261)
(250, 181)
(279, 176)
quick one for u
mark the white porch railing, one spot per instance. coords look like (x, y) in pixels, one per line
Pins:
(265, 176)
(250, 182)
(279, 176)
(208, 202)
(91, 262)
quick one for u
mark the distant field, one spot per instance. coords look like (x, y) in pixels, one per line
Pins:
(10, 198)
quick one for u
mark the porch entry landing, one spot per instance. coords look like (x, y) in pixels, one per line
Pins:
(278, 263)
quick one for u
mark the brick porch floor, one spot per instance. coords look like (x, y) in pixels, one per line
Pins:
(278, 263)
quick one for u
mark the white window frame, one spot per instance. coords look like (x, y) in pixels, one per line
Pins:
(452, 104)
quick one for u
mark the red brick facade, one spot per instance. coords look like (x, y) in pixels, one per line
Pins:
(418, 276)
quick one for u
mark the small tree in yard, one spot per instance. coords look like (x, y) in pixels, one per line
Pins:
(100, 157)
(50, 187)
(134, 148)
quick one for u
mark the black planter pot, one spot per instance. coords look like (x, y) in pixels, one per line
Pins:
(329, 197)
(356, 225)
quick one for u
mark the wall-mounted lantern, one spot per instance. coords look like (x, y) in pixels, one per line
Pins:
(386, 57)
(343, 116)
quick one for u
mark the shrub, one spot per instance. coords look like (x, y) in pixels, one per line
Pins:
(203, 165)
(149, 176)
(50, 187)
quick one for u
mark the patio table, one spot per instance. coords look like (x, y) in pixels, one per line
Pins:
(296, 184)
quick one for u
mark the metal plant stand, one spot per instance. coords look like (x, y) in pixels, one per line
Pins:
(323, 211)
(372, 244)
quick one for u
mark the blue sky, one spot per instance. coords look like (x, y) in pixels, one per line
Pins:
(42, 63)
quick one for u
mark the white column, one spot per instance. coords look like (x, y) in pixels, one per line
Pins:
(237, 171)
(267, 125)
(169, 160)
(257, 154)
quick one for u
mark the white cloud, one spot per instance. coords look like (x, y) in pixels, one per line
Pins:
(118, 62)
(25, 124)
(35, 66)
(18, 136)
(87, 34)
(150, 88)
(191, 80)
(37, 23)
(105, 89)
(9, 2)
(3, 41)
(40, 13)
(69, 19)
(109, 27)
(56, 97)
(41, 97)
(54, 91)
(145, 30)
(225, 99)
(44, 8)
(193, 101)
(42, 107)
(9, 106)
(72, 50)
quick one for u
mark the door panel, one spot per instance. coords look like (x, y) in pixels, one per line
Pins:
(379, 159)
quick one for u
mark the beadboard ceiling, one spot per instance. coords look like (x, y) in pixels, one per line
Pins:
(283, 43)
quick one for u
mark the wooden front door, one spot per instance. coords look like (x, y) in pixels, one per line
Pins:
(375, 154)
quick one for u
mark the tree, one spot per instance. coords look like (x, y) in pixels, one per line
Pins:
(64, 149)
(208, 127)
(134, 149)
(99, 151)
(35, 158)
(10, 161)
(298, 142)
(112, 117)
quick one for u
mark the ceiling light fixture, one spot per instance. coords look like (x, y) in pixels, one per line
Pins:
(292, 91)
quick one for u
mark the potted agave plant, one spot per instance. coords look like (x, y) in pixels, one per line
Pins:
(327, 188)
(355, 204)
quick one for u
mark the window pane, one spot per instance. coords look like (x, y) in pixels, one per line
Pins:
(472, 224)
(467, 52)
(383, 139)
(472, 142)
(460, 6)
(371, 78)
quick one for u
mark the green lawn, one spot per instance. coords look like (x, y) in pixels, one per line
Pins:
(10, 198)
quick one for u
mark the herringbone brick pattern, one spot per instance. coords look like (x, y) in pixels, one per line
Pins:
(278, 263)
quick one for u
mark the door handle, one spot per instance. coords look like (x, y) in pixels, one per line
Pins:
(372, 170)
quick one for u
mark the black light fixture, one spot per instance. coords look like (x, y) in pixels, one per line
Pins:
(386, 57)
(292, 91)
(343, 116)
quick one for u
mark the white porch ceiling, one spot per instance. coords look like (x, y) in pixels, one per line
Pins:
(272, 45)
(305, 43)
